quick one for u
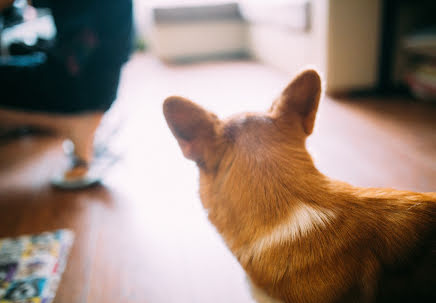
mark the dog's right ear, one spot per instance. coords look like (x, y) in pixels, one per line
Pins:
(194, 128)
(300, 100)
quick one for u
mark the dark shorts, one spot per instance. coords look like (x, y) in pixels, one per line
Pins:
(39, 83)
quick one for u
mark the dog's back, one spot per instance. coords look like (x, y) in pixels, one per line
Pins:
(378, 246)
(410, 275)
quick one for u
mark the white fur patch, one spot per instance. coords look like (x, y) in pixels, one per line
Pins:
(260, 296)
(302, 220)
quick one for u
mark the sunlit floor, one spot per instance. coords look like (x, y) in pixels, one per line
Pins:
(143, 237)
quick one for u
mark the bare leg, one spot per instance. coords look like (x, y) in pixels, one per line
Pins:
(79, 128)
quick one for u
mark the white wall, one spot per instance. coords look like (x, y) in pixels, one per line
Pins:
(292, 49)
(342, 43)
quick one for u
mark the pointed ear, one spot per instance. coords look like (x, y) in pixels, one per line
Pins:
(193, 127)
(300, 98)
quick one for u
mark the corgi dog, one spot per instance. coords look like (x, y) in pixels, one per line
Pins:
(300, 236)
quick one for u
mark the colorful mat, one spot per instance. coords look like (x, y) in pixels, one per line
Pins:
(31, 266)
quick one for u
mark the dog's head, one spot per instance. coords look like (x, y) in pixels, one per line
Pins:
(249, 153)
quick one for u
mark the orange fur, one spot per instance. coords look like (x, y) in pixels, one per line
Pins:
(300, 236)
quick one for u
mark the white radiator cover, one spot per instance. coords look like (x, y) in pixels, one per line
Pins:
(198, 40)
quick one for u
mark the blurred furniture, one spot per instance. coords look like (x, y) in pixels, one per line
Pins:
(192, 32)
(340, 38)
(357, 45)
(408, 44)
(420, 73)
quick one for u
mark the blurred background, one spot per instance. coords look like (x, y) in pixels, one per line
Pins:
(357, 45)
(141, 235)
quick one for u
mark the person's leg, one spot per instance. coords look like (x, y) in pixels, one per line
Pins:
(80, 129)
(28, 98)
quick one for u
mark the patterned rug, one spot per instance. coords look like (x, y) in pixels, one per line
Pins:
(31, 266)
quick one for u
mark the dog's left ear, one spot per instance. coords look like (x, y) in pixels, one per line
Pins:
(300, 100)
(194, 128)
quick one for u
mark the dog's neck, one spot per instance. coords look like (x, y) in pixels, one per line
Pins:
(261, 195)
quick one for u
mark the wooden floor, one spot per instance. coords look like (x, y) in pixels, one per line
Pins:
(142, 237)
